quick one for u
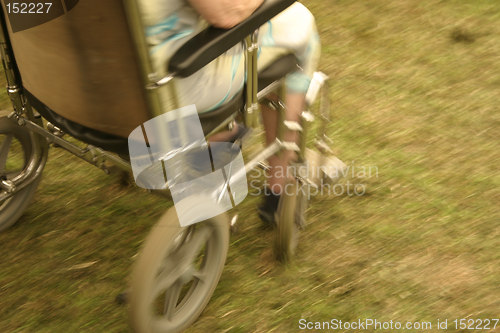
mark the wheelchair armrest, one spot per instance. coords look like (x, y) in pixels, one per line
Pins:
(212, 42)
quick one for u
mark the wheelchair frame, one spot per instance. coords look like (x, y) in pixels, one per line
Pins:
(44, 135)
(26, 116)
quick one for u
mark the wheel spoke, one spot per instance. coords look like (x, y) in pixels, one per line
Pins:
(166, 279)
(193, 244)
(199, 275)
(190, 275)
(171, 299)
(178, 263)
(4, 152)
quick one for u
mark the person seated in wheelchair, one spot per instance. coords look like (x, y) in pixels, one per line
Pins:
(170, 23)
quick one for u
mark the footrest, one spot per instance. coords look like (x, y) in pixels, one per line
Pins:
(326, 169)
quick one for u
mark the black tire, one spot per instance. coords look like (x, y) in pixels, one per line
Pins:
(289, 221)
(16, 143)
(167, 292)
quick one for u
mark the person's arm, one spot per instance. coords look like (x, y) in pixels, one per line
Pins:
(225, 13)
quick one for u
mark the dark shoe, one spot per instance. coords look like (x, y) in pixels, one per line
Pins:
(268, 208)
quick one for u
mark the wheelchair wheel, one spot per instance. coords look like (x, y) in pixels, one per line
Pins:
(290, 220)
(15, 151)
(177, 272)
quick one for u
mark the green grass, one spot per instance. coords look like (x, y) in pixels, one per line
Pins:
(416, 90)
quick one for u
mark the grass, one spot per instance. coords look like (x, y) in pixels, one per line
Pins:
(415, 86)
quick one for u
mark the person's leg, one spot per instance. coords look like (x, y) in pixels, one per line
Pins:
(295, 31)
(237, 133)
(277, 176)
(278, 163)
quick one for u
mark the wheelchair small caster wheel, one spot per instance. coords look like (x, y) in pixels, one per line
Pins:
(290, 220)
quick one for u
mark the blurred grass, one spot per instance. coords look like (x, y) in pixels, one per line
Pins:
(416, 89)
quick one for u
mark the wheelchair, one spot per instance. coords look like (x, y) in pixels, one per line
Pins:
(84, 73)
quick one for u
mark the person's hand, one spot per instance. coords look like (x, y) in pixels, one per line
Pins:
(225, 13)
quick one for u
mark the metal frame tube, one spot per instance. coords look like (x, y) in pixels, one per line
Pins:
(252, 104)
(280, 131)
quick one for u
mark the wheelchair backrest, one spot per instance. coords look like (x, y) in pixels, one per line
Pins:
(78, 58)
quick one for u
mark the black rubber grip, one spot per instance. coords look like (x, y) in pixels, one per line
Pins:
(212, 42)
